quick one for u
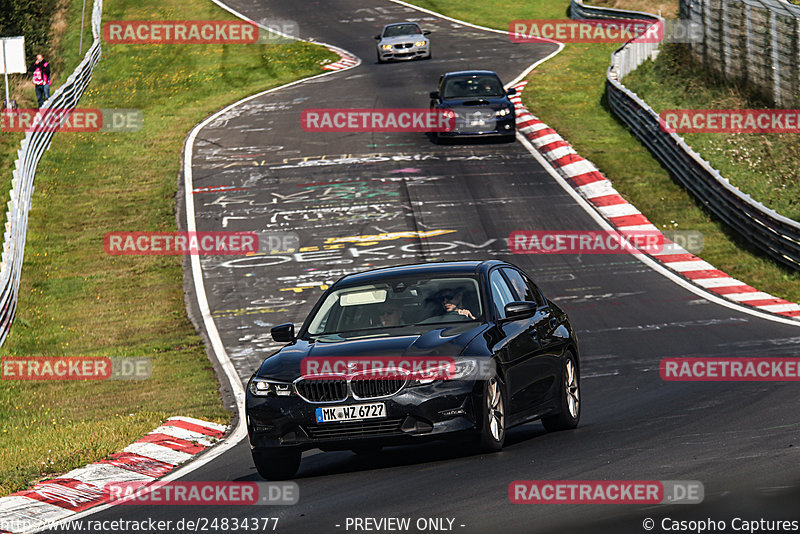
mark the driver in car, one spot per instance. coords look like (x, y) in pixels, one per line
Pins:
(452, 305)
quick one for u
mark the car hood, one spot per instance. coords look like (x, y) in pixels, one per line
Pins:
(441, 342)
(411, 38)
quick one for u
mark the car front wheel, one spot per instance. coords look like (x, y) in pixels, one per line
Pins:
(493, 417)
(276, 464)
(570, 412)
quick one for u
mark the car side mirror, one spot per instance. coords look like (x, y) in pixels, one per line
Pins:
(426, 32)
(435, 95)
(283, 333)
(520, 310)
(511, 91)
(378, 37)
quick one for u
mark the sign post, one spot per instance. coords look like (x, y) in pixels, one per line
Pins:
(13, 61)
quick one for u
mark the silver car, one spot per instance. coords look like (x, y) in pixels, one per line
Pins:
(403, 40)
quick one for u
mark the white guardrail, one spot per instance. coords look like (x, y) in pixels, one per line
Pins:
(28, 156)
(764, 228)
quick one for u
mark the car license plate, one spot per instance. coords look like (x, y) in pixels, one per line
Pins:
(353, 412)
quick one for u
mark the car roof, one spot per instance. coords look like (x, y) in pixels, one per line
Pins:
(430, 268)
(470, 73)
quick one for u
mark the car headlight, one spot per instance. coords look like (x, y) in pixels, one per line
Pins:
(420, 43)
(503, 112)
(456, 370)
(262, 387)
(386, 47)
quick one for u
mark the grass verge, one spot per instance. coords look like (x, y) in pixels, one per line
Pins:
(568, 93)
(74, 299)
(762, 165)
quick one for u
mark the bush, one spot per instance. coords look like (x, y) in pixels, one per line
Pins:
(31, 18)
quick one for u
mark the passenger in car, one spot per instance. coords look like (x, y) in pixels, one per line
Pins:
(390, 314)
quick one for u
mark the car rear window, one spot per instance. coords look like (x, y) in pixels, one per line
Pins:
(473, 87)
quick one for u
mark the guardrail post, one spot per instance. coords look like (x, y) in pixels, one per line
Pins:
(776, 64)
(796, 80)
(748, 40)
(704, 21)
(725, 36)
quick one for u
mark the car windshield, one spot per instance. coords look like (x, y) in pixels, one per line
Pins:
(398, 303)
(401, 29)
(472, 87)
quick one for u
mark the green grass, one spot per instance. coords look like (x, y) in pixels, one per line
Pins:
(568, 93)
(496, 13)
(762, 165)
(76, 300)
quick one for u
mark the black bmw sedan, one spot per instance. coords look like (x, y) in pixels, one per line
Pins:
(451, 350)
(479, 102)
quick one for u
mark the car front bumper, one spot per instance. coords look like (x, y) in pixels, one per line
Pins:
(415, 414)
(502, 128)
(404, 53)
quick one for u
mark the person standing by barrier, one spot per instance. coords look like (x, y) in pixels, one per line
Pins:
(41, 78)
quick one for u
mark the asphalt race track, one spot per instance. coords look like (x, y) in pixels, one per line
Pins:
(463, 200)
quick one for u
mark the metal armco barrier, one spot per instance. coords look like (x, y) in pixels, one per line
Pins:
(768, 230)
(28, 156)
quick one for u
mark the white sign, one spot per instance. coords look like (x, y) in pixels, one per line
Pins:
(14, 48)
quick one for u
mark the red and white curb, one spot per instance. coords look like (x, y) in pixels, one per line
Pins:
(347, 60)
(178, 440)
(583, 176)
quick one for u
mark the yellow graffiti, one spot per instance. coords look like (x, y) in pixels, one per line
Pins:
(300, 289)
(389, 236)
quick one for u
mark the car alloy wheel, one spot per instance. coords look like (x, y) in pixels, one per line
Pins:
(494, 405)
(570, 411)
(572, 389)
(493, 417)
